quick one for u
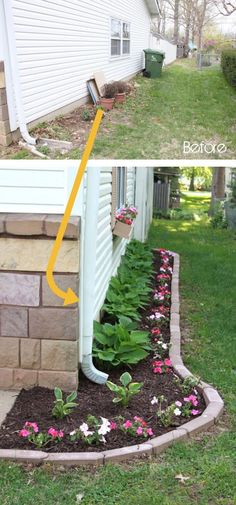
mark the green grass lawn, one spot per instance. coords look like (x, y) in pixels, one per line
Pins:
(185, 104)
(208, 280)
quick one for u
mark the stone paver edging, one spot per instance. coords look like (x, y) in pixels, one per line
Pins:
(156, 445)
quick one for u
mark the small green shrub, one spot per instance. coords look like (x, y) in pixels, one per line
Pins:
(126, 391)
(228, 64)
(86, 115)
(120, 343)
(219, 220)
(188, 384)
(63, 408)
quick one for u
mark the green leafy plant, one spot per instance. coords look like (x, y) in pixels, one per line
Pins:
(167, 415)
(86, 115)
(126, 391)
(63, 408)
(121, 343)
(188, 384)
(219, 220)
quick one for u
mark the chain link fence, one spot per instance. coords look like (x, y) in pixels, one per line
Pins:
(207, 59)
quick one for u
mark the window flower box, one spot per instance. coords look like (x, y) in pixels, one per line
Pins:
(122, 230)
(125, 222)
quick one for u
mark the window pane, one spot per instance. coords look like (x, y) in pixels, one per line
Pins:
(126, 46)
(121, 190)
(126, 30)
(115, 47)
(115, 28)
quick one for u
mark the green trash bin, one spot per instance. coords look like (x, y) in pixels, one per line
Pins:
(154, 62)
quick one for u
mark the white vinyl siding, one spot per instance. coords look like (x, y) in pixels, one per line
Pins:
(36, 187)
(61, 43)
(108, 253)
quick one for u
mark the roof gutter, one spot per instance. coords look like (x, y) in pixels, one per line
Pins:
(7, 6)
(87, 282)
(154, 7)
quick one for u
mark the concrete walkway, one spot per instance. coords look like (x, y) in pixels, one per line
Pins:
(7, 400)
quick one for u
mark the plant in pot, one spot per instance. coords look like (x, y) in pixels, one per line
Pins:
(108, 98)
(124, 221)
(122, 90)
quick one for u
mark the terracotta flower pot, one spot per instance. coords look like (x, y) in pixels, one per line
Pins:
(122, 230)
(120, 97)
(107, 103)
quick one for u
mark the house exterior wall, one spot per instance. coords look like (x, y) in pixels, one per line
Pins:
(38, 336)
(144, 202)
(109, 249)
(37, 187)
(60, 44)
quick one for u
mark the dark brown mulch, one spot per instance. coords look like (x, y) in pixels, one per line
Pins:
(35, 405)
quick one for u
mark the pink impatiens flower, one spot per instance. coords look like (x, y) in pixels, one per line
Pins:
(128, 424)
(139, 430)
(178, 404)
(167, 362)
(150, 432)
(24, 433)
(34, 426)
(113, 426)
(55, 433)
(195, 412)
(192, 399)
(158, 370)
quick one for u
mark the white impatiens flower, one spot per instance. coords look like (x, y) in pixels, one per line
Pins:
(105, 427)
(72, 433)
(177, 412)
(154, 401)
(85, 430)
(164, 346)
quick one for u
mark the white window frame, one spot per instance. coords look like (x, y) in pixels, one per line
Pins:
(120, 187)
(122, 39)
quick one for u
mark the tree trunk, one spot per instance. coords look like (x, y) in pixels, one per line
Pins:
(218, 189)
(192, 181)
(176, 21)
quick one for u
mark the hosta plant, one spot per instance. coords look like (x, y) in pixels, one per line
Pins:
(126, 391)
(121, 343)
(63, 408)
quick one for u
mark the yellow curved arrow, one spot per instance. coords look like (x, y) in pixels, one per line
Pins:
(70, 297)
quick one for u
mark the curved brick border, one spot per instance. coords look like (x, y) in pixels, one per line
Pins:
(208, 418)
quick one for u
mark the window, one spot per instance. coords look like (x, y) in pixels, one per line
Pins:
(120, 38)
(119, 191)
(120, 187)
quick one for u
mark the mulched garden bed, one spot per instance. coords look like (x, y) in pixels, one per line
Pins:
(35, 405)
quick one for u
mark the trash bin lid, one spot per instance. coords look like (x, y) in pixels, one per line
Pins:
(154, 51)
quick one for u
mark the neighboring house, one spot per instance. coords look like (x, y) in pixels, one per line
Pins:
(42, 342)
(49, 49)
(161, 43)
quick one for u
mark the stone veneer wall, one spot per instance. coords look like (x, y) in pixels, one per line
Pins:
(38, 336)
(5, 130)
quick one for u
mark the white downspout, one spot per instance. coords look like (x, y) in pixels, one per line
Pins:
(89, 244)
(7, 5)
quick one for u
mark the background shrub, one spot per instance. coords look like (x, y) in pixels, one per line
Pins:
(228, 64)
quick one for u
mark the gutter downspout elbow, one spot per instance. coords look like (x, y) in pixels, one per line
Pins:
(89, 272)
